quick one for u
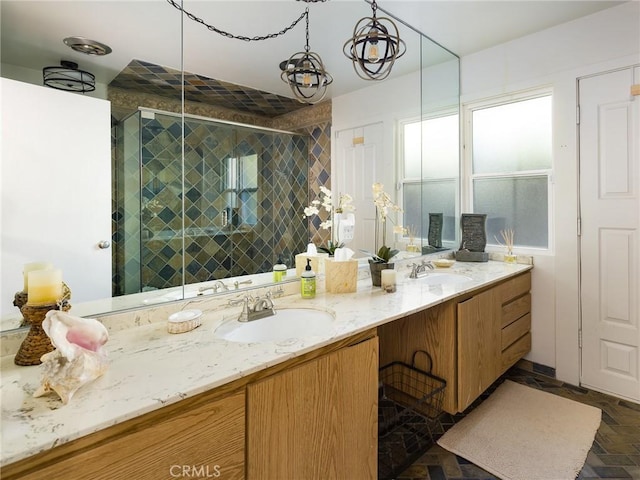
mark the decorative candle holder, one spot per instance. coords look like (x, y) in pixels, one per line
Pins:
(19, 300)
(37, 342)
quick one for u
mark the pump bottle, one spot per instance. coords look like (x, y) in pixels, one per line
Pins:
(279, 270)
(308, 282)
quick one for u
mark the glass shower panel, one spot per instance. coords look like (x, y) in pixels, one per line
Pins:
(161, 205)
(288, 173)
(209, 204)
(251, 149)
(126, 175)
(244, 189)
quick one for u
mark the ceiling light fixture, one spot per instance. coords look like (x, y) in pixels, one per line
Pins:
(305, 74)
(67, 77)
(374, 47)
(85, 45)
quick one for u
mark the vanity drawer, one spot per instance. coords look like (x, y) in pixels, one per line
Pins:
(515, 330)
(515, 352)
(516, 287)
(516, 309)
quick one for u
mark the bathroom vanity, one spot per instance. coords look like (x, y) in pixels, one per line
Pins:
(196, 406)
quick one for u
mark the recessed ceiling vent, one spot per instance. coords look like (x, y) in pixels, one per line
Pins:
(85, 45)
(69, 78)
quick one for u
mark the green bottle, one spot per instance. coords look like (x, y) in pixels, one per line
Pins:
(308, 282)
(279, 270)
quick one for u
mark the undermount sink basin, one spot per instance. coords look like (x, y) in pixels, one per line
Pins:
(288, 324)
(443, 279)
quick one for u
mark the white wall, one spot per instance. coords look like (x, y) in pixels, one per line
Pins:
(385, 102)
(556, 57)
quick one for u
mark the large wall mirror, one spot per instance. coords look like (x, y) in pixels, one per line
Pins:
(208, 161)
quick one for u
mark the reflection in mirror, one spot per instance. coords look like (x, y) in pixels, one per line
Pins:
(241, 208)
(440, 147)
(57, 203)
(220, 186)
(384, 134)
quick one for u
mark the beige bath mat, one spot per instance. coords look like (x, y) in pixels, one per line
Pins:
(520, 433)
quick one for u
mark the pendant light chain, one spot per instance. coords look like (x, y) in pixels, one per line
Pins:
(306, 48)
(242, 37)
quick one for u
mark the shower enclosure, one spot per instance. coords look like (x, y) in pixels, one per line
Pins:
(231, 209)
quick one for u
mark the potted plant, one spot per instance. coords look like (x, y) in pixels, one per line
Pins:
(325, 204)
(381, 260)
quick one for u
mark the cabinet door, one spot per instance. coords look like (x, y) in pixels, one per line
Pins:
(318, 420)
(203, 442)
(479, 349)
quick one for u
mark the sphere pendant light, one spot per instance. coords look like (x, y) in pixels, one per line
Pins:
(375, 46)
(305, 74)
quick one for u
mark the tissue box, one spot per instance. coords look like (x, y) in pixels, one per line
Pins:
(317, 262)
(341, 277)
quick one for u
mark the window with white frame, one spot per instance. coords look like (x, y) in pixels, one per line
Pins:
(429, 175)
(510, 162)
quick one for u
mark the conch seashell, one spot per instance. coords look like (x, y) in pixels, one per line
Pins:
(79, 357)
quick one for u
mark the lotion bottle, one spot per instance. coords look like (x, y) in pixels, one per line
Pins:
(308, 282)
(279, 270)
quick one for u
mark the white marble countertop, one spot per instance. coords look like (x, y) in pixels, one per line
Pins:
(150, 368)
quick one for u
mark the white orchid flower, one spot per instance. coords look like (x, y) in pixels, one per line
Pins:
(309, 211)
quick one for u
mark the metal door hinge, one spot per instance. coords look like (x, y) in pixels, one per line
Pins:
(579, 226)
(577, 114)
(580, 338)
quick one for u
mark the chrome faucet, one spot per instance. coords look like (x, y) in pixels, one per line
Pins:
(261, 307)
(217, 286)
(237, 284)
(420, 270)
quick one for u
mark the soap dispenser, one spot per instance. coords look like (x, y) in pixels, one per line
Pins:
(308, 282)
(279, 270)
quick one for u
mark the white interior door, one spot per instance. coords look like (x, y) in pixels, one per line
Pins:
(610, 237)
(359, 163)
(56, 189)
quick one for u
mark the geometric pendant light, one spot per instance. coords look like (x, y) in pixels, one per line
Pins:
(305, 74)
(374, 46)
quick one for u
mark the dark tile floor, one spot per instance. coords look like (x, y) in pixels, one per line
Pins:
(615, 453)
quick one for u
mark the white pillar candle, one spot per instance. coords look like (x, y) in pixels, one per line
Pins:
(388, 280)
(45, 287)
(31, 267)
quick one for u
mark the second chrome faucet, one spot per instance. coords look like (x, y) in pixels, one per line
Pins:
(254, 309)
(420, 270)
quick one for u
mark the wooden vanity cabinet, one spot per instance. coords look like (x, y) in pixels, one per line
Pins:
(493, 334)
(312, 416)
(318, 419)
(472, 340)
(202, 437)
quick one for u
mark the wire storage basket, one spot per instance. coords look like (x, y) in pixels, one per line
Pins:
(410, 401)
